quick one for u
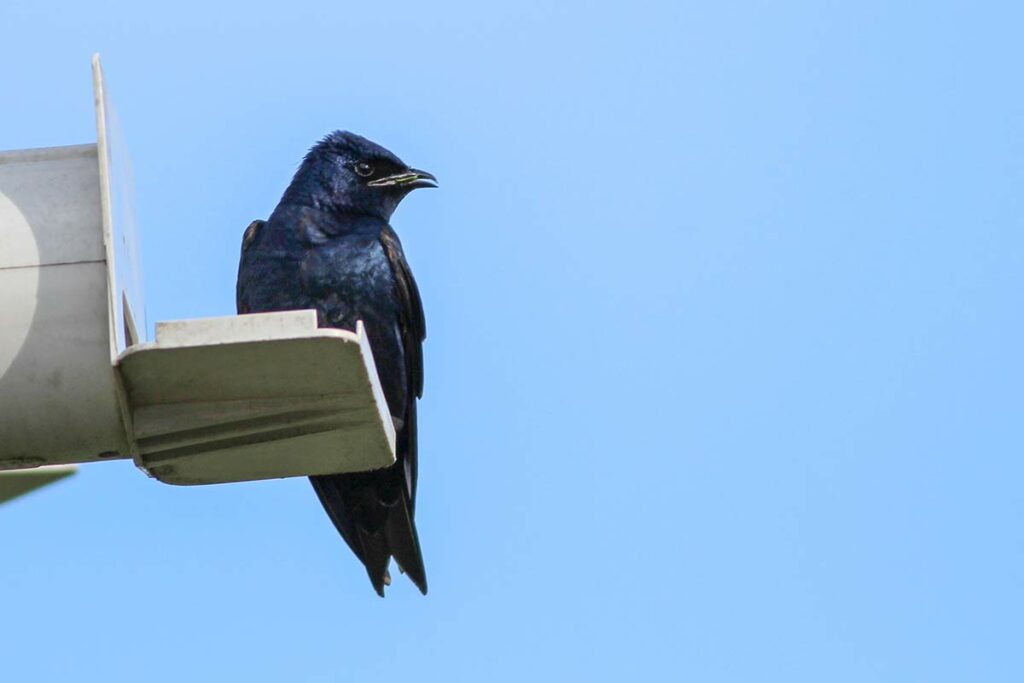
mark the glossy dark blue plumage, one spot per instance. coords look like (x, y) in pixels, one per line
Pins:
(328, 246)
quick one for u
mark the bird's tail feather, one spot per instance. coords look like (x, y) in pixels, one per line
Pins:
(404, 543)
(375, 557)
(372, 513)
(396, 537)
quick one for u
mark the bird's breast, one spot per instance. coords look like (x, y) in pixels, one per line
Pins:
(349, 279)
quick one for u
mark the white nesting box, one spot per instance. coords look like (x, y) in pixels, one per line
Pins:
(208, 401)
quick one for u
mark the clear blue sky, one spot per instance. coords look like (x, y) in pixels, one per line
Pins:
(724, 376)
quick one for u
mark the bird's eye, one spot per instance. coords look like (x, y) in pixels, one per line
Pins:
(364, 169)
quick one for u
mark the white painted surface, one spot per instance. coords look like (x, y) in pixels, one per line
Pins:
(257, 396)
(49, 206)
(120, 235)
(57, 395)
(43, 193)
(241, 328)
(58, 402)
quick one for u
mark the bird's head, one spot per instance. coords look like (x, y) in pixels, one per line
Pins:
(349, 173)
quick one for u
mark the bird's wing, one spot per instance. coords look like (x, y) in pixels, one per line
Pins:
(413, 328)
(247, 241)
(411, 321)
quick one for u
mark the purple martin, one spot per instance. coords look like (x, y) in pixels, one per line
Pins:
(329, 246)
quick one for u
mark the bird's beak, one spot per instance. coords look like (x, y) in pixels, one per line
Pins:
(410, 179)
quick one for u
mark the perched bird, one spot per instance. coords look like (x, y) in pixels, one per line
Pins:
(328, 246)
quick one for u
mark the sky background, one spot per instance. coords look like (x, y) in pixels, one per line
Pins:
(723, 368)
